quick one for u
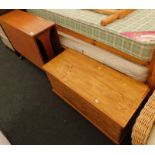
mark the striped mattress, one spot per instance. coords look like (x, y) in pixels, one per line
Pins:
(87, 23)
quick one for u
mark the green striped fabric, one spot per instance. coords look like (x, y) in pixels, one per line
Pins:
(88, 23)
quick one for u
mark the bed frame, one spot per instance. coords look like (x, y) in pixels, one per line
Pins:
(113, 14)
(151, 65)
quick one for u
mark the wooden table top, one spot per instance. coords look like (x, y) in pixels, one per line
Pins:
(113, 93)
(26, 22)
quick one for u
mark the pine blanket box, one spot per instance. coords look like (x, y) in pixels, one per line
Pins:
(107, 98)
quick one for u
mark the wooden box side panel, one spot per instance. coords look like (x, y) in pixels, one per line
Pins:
(100, 120)
(24, 44)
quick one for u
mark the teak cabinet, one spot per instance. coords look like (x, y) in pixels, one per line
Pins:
(33, 37)
(104, 96)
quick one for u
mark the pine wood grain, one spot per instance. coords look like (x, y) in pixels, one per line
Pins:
(104, 11)
(104, 96)
(114, 14)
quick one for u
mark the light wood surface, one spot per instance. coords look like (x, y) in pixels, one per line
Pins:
(101, 45)
(124, 12)
(114, 14)
(109, 19)
(104, 11)
(104, 96)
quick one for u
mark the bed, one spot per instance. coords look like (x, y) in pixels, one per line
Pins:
(81, 30)
(87, 23)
